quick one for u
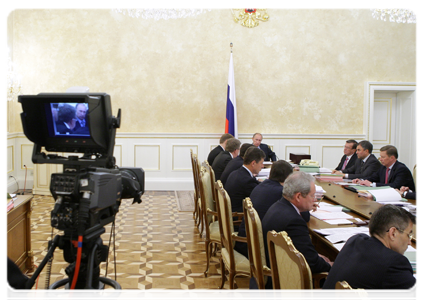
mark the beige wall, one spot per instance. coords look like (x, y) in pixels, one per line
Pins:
(303, 71)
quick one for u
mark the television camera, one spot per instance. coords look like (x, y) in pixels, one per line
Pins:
(89, 191)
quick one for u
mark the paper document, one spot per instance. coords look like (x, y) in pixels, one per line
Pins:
(325, 170)
(339, 222)
(386, 195)
(323, 215)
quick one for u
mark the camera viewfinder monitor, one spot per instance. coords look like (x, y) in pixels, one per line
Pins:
(71, 123)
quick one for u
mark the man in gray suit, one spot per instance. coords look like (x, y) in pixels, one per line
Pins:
(365, 165)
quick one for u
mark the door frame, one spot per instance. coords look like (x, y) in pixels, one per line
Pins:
(368, 109)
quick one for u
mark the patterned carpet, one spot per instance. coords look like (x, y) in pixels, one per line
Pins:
(157, 246)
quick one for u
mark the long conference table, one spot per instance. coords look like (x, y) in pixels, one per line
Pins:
(359, 208)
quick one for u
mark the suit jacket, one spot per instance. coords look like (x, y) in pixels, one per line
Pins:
(220, 162)
(359, 170)
(410, 195)
(263, 197)
(399, 176)
(239, 185)
(62, 128)
(282, 216)
(232, 165)
(350, 163)
(269, 153)
(213, 154)
(364, 262)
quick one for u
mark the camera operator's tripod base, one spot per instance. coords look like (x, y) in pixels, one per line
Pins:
(54, 292)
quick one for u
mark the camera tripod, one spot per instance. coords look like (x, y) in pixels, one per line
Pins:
(93, 253)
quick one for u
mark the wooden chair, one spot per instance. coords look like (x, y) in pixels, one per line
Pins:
(230, 260)
(197, 214)
(256, 251)
(343, 291)
(211, 225)
(290, 269)
(416, 177)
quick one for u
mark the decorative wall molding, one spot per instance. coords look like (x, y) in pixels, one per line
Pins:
(165, 156)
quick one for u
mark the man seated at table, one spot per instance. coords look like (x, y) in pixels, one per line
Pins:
(284, 215)
(241, 182)
(349, 158)
(235, 163)
(219, 148)
(377, 261)
(264, 195)
(393, 173)
(257, 138)
(224, 157)
(406, 193)
(365, 165)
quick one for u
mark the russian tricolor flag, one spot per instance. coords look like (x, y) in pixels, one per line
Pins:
(231, 122)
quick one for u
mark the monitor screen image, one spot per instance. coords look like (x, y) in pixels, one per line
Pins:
(68, 119)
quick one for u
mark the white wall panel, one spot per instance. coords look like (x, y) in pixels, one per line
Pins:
(181, 159)
(11, 158)
(331, 156)
(147, 157)
(26, 156)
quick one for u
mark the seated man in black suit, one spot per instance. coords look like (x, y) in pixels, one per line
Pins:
(224, 157)
(257, 138)
(349, 158)
(241, 182)
(284, 215)
(219, 148)
(377, 261)
(393, 173)
(66, 119)
(235, 163)
(264, 195)
(365, 165)
(406, 193)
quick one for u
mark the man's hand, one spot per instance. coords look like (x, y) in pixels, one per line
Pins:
(364, 182)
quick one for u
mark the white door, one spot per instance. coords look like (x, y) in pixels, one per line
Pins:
(395, 124)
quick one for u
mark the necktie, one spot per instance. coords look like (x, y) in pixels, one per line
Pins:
(386, 175)
(345, 163)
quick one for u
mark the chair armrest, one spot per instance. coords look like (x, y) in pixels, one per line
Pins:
(237, 238)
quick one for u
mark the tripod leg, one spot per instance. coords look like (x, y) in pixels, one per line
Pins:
(31, 281)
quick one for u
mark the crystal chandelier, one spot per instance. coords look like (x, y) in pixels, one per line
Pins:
(250, 17)
(158, 14)
(395, 15)
(13, 81)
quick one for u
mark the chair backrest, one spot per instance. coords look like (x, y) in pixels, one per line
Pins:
(196, 174)
(206, 190)
(256, 250)
(416, 177)
(343, 291)
(290, 269)
(226, 225)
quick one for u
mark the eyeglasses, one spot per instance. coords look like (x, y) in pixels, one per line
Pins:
(410, 235)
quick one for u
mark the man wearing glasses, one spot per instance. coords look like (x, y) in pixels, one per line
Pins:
(377, 261)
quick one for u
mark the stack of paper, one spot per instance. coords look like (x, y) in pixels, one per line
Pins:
(338, 236)
(331, 214)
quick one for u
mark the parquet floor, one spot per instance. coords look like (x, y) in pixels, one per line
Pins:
(157, 246)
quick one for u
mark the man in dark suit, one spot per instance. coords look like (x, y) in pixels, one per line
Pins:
(377, 261)
(406, 193)
(264, 195)
(365, 165)
(393, 173)
(349, 158)
(66, 119)
(235, 163)
(221, 147)
(81, 113)
(224, 157)
(241, 182)
(257, 138)
(284, 215)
